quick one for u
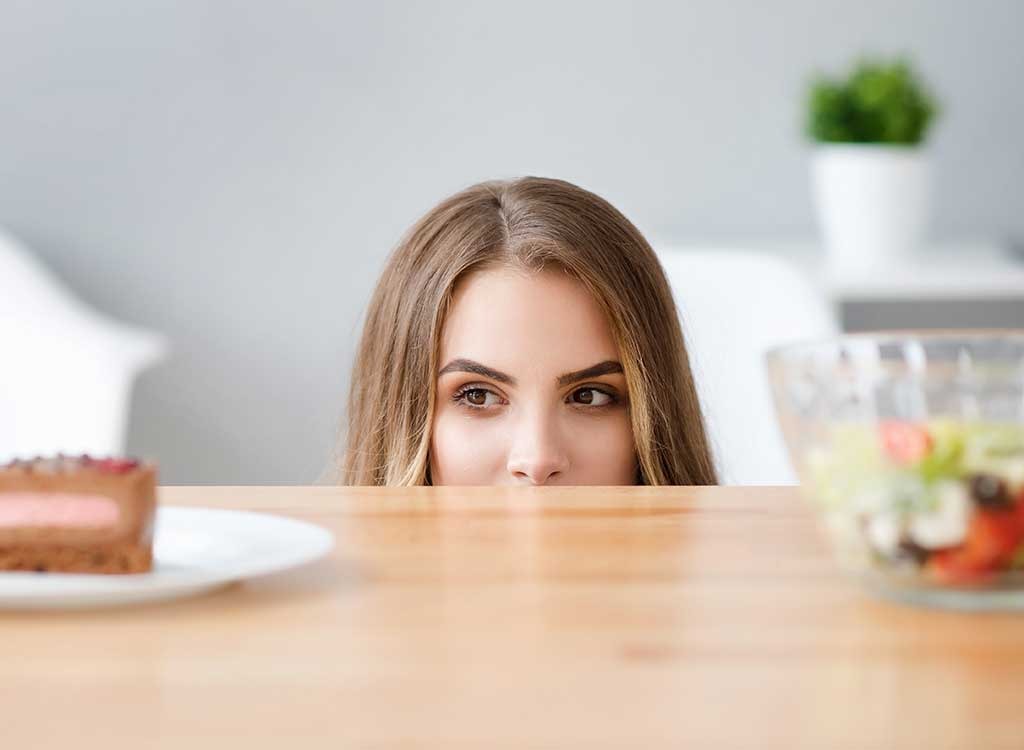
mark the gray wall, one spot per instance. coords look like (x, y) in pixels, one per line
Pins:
(234, 173)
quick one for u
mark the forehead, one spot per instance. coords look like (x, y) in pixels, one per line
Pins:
(526, 322)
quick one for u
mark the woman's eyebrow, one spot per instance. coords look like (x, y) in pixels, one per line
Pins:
(468, 365)
(607, 367)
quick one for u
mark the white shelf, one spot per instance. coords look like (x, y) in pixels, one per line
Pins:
(946, 271)
(976, 271)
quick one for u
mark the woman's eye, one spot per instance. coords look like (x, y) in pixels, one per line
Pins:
(478, 398)
(591, 397)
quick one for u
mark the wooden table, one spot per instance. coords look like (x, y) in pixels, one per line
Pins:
(627, 618)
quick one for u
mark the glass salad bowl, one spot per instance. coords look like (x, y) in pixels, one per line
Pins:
(911, 447)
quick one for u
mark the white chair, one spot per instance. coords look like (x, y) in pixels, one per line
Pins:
(734, 306)
(66, 371)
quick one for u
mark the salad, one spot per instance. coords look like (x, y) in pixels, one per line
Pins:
(939, 502)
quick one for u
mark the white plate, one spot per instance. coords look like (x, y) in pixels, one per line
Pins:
(194, 550)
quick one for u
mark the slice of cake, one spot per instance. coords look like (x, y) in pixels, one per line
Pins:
(77, 515)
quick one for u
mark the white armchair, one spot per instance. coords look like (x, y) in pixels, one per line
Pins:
(66, 371)
(735, 306)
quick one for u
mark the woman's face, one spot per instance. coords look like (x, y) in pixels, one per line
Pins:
(530, 388)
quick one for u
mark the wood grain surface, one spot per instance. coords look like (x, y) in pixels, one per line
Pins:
(529, 618)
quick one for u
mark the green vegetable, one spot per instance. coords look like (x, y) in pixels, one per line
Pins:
(947, 450)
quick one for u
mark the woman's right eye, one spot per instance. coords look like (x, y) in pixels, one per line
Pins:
(477, 398)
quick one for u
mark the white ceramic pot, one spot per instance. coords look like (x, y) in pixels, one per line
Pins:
(872, 202)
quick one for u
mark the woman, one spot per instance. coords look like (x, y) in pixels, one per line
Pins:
(523, 332)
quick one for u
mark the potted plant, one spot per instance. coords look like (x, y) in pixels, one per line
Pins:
(869, 170)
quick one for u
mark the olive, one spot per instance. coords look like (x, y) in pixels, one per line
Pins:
(911, 550)
(990, 492)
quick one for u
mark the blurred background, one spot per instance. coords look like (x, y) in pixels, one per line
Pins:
(233, 175)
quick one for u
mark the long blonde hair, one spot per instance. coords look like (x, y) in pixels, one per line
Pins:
(530, 223)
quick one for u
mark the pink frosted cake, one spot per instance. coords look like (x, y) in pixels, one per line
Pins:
(77, 515)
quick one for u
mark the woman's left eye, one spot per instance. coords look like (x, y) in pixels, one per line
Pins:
(591, 397)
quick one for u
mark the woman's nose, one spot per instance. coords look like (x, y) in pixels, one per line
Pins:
(538, 455)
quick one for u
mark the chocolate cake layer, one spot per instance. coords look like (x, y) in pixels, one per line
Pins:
(97, 558)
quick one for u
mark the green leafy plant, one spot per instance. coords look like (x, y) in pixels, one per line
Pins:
(880, 102)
